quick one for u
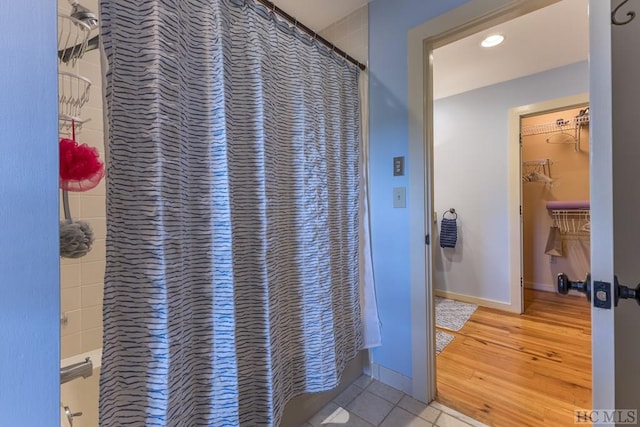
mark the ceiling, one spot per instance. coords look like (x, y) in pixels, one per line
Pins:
(551, 37)
(319, 14)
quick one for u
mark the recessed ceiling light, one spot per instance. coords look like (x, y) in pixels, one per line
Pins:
(492, 40)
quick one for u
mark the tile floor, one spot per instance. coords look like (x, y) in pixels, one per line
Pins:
(370, 403)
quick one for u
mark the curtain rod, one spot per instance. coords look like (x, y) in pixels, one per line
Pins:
(271, 6)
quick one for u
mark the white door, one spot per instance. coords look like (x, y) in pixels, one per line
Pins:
(615, 202)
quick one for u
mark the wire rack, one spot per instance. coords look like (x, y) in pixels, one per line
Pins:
(573, 222)
(563, 131)
(537, 171)
(73, 36)
(560, 125)
(73, 94)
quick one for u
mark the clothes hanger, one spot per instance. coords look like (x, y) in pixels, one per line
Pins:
(587, 223)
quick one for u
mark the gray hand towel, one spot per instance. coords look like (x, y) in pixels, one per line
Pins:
(448, 233)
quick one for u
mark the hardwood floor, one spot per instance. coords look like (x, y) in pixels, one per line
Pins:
(520, 370)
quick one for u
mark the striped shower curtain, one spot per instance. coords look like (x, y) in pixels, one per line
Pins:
(232, 279)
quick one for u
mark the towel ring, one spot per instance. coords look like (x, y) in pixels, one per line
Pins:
(452, 212)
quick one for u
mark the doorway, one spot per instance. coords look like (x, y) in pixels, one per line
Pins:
(422, 43)
(498, 363)
(554, 166)
(555, 204)
(613, 356)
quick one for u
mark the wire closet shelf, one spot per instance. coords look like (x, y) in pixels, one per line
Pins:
(561, 131)
(560, 125)
(537, 171)
(572, 222)
(573, 217)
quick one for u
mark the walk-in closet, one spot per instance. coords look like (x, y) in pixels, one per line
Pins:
(555, 196)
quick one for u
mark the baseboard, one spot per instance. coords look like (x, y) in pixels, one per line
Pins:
(483, 302)
(391, 378)
(545, 287)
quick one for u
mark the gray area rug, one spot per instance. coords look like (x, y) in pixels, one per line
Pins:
(452, 314)
(442, 340)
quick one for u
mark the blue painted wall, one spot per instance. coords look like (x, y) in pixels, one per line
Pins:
(389, 22)
(29, 264)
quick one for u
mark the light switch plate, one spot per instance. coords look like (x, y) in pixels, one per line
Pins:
(400, 197)
(398, 166)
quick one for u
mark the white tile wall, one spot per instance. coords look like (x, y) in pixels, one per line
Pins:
(81, 280)
(91, 273)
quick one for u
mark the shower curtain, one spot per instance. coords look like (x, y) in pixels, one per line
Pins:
(372, 336)
(232, 279)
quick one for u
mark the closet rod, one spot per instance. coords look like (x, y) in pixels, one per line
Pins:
(271, 6)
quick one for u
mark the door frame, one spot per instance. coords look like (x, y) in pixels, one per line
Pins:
(472, 17)
(603, 326)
